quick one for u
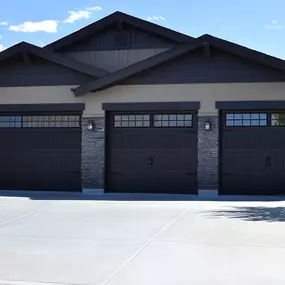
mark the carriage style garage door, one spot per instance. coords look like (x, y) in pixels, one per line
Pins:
(154, 152)
(253, 152)
(40, 151)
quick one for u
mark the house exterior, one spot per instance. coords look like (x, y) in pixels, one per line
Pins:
(125, 105)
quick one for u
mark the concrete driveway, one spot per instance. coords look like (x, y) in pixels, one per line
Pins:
(70, 240)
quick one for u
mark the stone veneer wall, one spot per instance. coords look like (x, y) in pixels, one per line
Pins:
(208, 153)
(93, 154)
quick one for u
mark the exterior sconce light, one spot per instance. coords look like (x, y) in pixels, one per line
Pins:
(91, 125)
(208, 125)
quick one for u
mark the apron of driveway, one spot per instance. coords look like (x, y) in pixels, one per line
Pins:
(75, 241)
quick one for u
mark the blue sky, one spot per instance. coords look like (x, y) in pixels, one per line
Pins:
(258, 24)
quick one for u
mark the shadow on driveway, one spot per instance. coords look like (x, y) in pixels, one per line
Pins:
(253, 214)
(46, 195)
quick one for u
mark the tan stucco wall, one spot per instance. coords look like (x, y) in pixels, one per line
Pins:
(207, 94)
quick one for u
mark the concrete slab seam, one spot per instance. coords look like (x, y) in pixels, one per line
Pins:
(23, 215)
(144, 246)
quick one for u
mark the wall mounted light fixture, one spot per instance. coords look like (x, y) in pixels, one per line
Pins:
(208, 125)
(91, 125)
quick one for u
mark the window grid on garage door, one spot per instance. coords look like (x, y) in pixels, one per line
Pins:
(41, 121)
(153, 120)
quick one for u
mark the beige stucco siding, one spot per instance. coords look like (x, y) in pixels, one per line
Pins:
(207, 94)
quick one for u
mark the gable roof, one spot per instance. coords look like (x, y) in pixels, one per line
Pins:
(113, 78)
(24, 47)
(113, 18)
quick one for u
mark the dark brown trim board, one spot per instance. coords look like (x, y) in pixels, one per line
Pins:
(66, 107)
(151, 106)
(250, 105)
(114, 18)
(27, 48)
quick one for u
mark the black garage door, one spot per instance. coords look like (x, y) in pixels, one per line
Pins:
(152, 152)
(253, 152)
(40, 152)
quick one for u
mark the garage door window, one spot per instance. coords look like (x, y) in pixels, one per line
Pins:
(131, 121)
(246, 120)
(173, 120)
(46, 121)
(278, 119)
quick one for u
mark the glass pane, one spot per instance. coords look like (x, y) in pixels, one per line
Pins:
(246, 116)
(118, 118)
(263, 116)
(139, 123)
(188, 123)
(173, 124)
(132, 117)
(165, 123)
(18, 124)
(157, 123)
(157, 117)
(255, 122)
(125, 118)
(180, 117)
(229, 123)
(229, 116)
(165, 117)
(172, 117)
(238, 116)
(139, 117)
(125, 124)
(263, 122)
(132, 124)
(238, 123)
(274, 123)
(188, 117)
(254, 116)
(117, 124)
(180, 123)
(246, 122)
(146, 117)
(146, 123)
(4, 119)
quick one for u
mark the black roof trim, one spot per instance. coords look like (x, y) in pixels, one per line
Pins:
(250, 105)
(119, 75)
(62, 107)
(24, 47)
(151, 106)
(112, 78)
(110, 19)
(244, 51)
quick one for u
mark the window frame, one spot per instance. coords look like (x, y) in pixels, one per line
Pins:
(44, 121)
(242, 119)
(152, 120)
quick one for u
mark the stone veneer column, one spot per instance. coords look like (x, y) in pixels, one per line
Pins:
(93, 154)
(208, 153)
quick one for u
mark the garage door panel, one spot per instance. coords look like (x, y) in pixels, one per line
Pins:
(37, 158)
(242, 161)
(252, 155)
(152, 159)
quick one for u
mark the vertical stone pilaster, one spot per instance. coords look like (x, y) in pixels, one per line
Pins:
(208, 153)
(93, 154)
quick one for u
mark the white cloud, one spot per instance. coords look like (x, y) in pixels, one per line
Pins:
(95, 8)
(2, 47)
(155, 18)
(81, 14)
(274, 27)
(77, 15)
(3, 23)
(48, 26)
